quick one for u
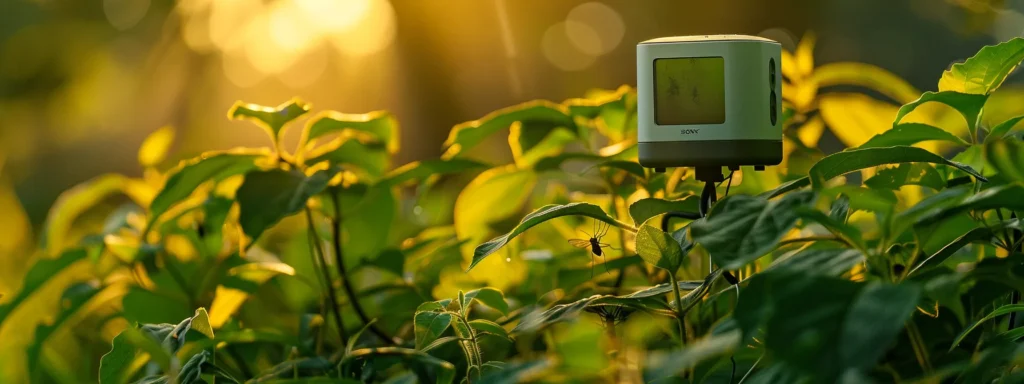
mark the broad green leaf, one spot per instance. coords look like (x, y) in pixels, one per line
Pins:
(661, 290)
(493, 196)
(157, 305)
(693, 297)
(1001, 130)
(541, 215)
(192, 173)
(866, 199)
(240, 282)
(977, 235)
(828, 262)
(841, 229)
(867, 76)
(644, 209)
(72, 301)
(933, 204)
(271, 119)
(984, 72)
(840, 208)
(369, 157)
(852, 160)
(969, 105)
(421, 170)
(428, 326)
(514, 372)
(853, 117)
(73, 202)
(131, 349)
(532, 142)
(1003, 310)
(266, 197)
(428, 369)
(465, 136)
(874, 320)
(154, 148)
(910, 134)
(742, 228)
(1003, 196)
(438, 343)
(37, 276)
(534, 321)
(215, 214)
(893, 178)
(201, 322)
(380, 124)
(487, 296)
(786, 187)
(554, 163)
(489, 327)
(1007, 157)
(659, 248)
(370, 221)
(631, 167)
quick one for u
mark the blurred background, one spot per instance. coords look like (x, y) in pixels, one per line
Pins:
(83, 82)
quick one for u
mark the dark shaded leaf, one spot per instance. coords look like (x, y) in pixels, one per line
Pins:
(266, 197)
(1003, 310)
(420, 170)
(429, 326)
(827, 262)
(428, 369)
(700, 351)
(1007, 157)
(646, 208)
(740, 229)
(1001, 130)
(976, 235)
(856, 159)
(874, 320)
(193, 173)
(893, 178)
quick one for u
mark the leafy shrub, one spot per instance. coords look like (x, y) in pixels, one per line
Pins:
(323, 263)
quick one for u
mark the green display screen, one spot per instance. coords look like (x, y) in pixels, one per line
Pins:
(689, 90)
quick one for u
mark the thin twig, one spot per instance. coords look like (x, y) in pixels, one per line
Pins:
(319, 250)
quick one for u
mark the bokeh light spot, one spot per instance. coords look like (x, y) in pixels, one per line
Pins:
(595, 28)
(561, 52)
(334, 16)
(371, 34)
(124, 14)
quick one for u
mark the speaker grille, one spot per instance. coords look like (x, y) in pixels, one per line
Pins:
(773, 106)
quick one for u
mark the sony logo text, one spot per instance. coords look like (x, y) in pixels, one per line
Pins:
(689, 131)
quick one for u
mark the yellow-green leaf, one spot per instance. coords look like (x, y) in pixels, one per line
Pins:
(271, 119)
(240, 282)
(154, 148)
(381, 124)
(467, 135)
(984, 72)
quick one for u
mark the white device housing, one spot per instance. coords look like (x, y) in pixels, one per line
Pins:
(751, 131)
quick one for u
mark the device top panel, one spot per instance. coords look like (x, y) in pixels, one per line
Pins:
(707, 38)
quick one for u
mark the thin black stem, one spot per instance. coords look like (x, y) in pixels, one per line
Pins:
(319, 250)
(343, 274)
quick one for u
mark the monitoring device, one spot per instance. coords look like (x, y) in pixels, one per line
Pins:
(709, 101)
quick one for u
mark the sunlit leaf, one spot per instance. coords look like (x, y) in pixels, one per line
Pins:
(541, 215)
(969, 105)
(72, 301)
(266, 197)
(867, 76)
(154, 149)
(271, 119)
(855, 118)
(192, 173)
(910, 134)
(530, 143)
(894, 178)
(77, 200)
(381, 124)
(1003, 129)
(428, 326)
(37, 276)
(465, 136)
(659, 248)
(349, 152)
(487, 296)
(242, 281)
(420, 170)
(742, 228)
(985, 71)
(848, 161)
(647, 208)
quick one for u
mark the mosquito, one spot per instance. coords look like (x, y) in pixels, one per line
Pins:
(594, 243)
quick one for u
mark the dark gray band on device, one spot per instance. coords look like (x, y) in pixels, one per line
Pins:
(664, 154)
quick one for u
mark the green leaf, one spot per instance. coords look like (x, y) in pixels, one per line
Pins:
(428, 326)
(894, 178)
(118, 365)
(969, 105)
(271, 119)
(465, 136)
(302, 368)
(661, 290)
(554, 163)
(370, 221)
(490, 297)
(159, 305)
(646, 208)
(541, 215)
(421, 170)
(73, 203)
(631, 167)
(381, 124)
(493, 196)
(984, 72)
(438, 343)
(240, 282)
(1001, 130)
(495, 372)
(369, 157)
(659, 248)
(702, 350)
(352, 341)
(847, 161)
(977, 235)
(827, 262)
(193, 173)
(266, 197)
(38, 275)
(428, 369)
(841, 229)
(998, 197)
(910, 134)
(488, 327)
(532, 142)
(693, 297)
(71, 302)
(201, 323)
(742, 228)
(786, 187)
(1007, 157)
(1003, 310)
(875, 318)
(840, 209)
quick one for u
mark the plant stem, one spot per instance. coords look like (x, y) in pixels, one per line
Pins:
(917, 343)
(680, 315)
(179, 279)
(343, 274)
(322, 265)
